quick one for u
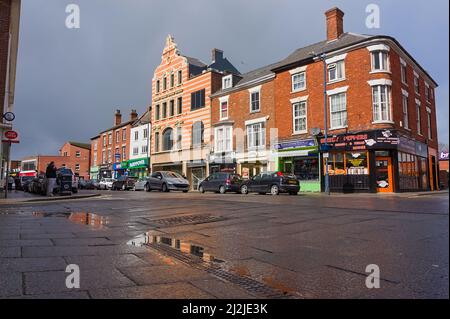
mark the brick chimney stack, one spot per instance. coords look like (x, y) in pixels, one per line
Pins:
(117, 118)
(133, 115)
(335, 23)
(216, 55)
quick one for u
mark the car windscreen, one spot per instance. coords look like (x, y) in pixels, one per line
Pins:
(171, 175)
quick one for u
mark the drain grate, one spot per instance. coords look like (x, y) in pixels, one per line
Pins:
(186, 220)
(251, 285)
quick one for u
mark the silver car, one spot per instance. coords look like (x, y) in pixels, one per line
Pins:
(166, 181)
(142, 184)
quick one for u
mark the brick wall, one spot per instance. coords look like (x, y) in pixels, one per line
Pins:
(5, 8)
(71, 159)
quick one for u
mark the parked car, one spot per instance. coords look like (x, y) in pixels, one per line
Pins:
(166, 181)
(273, 183)
(82, 183)
(106, 183)
(26, 182)
(142, 184)
(221, 182)
(38, 185)
(91, 184)
(124, 183)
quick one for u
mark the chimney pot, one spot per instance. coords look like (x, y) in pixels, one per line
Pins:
(117, 118)
(216, 55)
(133, 115)
(335, 23)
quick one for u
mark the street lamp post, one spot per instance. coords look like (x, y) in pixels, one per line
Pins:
(322, 57)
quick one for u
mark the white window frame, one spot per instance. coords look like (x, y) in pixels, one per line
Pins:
(77, 167)
(330, 99)
(222, 100)
(145, 133)
(251, 91)
(416, 83)
(377, 108)
(295, 103)
(338, 66)
(294, 82)
(135, 150)
(78, 154)
(249, 128)
(227, 82)
(220, 145)
(379, 49)
(404, 75)
(144, 149)
(405, 98)
(419, 117)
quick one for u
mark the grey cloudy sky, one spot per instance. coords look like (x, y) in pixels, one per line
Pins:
(69, 82)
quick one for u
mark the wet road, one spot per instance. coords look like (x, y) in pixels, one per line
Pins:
(174, 245)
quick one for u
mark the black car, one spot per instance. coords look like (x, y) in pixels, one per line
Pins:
(124, 183)
(221, 182)
(273, 183)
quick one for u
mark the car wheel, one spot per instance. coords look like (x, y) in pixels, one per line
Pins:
(164, 188)
(274, 190)
(292, 193)
(201, 189)
(244, 189)
(185, 191)
(147, 188)
(222, 189)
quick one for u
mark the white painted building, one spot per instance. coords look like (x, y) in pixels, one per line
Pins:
(139, 157)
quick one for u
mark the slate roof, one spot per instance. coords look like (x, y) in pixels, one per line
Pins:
(80, 144)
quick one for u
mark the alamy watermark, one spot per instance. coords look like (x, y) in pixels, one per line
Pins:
(73, 19)
(373, 20)
(373, 279)
(73, 279)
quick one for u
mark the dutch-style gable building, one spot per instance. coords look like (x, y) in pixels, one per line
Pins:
(181, 115)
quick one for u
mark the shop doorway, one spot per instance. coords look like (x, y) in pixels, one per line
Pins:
(197, 175)
(383, 171)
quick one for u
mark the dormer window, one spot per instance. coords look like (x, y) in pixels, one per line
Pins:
(227, 82)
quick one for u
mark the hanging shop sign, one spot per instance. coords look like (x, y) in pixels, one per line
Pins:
(384, 139)
(120, 166)
(443, 156)
(411, 146)
(138, 163)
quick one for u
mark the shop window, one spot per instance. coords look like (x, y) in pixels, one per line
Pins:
(306, 169)
(356, 164)
(350, 163)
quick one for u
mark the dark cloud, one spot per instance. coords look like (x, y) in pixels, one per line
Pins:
(69, 82)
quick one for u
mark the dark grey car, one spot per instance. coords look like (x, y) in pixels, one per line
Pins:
(166, 181)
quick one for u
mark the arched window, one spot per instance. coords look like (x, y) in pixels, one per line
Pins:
(168, 139)
(197, 134)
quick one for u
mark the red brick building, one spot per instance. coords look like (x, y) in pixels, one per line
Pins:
(181, 115)
(78, 157)
(381, 114)
(73, 155)
(111, 147)
(9, 43)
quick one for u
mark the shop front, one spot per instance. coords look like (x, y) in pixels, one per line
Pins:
(138, 167)
(105, 171)
(225, 162)
(375, 161)
(120, 169)
(93, 172)
(300, 158)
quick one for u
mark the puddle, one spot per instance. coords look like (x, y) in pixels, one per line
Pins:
(183, 250)
(183, 246)
(81, 218)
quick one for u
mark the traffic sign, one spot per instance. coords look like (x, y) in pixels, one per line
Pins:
(11, 135)
(9, 116)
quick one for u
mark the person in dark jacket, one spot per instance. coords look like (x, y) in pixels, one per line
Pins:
(50, 174)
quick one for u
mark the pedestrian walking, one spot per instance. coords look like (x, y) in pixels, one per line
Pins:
(17, 184)
(50, 174)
